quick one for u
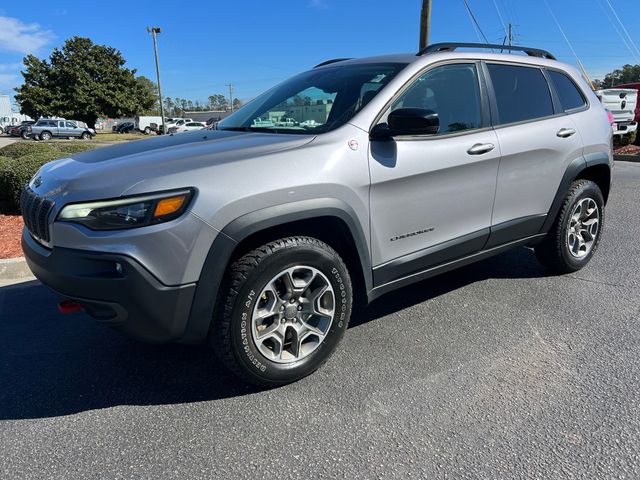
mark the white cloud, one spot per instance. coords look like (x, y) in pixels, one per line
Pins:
(10, 67)
(16, 36)
(320, 4)
(8, 82)
(9, 77)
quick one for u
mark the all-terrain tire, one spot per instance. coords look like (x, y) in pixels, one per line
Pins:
(233, 333)
(555, 251)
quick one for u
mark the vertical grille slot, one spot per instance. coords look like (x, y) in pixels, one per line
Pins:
(35, 213)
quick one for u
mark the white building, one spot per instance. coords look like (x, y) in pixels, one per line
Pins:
(7, 114)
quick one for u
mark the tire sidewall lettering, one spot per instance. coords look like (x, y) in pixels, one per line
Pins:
(247, 298)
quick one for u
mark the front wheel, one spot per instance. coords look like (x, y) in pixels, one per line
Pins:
(85, 136)
(575, 234)
(147, 130)
(45, 136)
(286, 305)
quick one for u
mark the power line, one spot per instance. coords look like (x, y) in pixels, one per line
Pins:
(473, 18)
(616, 28)
(504, 27)
(624, 29)
(584, 72)
(561, 31)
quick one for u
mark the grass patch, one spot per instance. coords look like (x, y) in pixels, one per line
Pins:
(20, 161)
(119, 137)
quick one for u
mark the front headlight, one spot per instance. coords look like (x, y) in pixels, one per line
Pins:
(128, 212)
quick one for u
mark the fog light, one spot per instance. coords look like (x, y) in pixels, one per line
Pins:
(118, 267)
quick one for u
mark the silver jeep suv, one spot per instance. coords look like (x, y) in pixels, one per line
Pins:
(347, 181)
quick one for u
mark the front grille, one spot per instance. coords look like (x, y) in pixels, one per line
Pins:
(35, 212)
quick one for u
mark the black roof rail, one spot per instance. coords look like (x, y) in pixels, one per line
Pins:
(449, 47)
(329, 62)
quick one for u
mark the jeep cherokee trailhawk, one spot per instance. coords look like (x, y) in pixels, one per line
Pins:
(357, 177)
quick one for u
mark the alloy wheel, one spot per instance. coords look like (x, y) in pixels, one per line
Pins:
(293, 314)
(582, 231)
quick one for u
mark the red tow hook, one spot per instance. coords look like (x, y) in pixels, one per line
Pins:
(69, 306)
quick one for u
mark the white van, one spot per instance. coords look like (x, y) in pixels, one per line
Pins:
(148, 124)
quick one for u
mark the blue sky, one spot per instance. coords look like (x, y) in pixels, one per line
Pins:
(255, 43)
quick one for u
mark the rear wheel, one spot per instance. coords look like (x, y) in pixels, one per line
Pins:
(286, 305)
(147, 130)
(575, 234)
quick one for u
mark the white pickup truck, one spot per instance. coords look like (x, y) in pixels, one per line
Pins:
(621, 102)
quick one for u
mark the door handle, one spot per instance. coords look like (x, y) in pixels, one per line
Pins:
(566, 132)
(480, 148)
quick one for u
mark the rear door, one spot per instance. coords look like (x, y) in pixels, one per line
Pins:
(538, 141)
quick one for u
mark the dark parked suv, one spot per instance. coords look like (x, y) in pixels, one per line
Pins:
(345, 182)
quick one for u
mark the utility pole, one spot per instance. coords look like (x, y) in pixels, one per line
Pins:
(425, 23)
(230, 85)
(510, 34)
(155, 31)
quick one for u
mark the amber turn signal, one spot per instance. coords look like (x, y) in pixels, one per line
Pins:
(170, 205)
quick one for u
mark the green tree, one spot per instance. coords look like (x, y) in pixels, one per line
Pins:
(218, 102)
(236, 104)
(169, 107)
(627, 74)
(148, 96)
(82, 81)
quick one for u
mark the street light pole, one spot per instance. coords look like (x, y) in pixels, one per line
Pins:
(230, 85)
(155, 31)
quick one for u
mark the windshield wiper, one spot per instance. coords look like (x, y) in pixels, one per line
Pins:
(236, 129)
(252, 129)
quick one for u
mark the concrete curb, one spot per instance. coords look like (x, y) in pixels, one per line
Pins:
(627, 158)
(14, 269)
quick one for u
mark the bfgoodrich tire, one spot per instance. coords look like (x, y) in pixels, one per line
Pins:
(576, 232)
(285, 307)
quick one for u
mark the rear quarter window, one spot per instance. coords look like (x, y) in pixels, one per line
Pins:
(570, 96)
(522, 93)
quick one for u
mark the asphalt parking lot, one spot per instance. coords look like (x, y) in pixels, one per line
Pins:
(493, 371)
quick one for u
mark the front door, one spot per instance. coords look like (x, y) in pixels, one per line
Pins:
(432, 196)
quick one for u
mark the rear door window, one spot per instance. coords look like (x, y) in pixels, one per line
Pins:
(522, 93)
(570, 96)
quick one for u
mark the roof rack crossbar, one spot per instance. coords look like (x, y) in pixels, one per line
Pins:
(329, 62)
(449, 47)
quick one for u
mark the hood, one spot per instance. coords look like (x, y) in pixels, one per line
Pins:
(108, 172)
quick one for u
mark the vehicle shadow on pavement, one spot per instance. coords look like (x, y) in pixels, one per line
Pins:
(517, 263)
(53, 364)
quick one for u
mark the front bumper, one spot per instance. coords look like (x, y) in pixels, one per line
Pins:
(127, 297)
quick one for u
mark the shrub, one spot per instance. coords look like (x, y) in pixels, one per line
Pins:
(22, 149)
(5, 168)
(74, 147)
(20, 161)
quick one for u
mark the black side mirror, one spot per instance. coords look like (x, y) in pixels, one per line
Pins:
(413, 121)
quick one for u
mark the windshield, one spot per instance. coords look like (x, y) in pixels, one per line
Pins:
(316, 101)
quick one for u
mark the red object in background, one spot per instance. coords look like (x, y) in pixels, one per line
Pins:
(610, 115)
(635, 86)
(69, 306)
